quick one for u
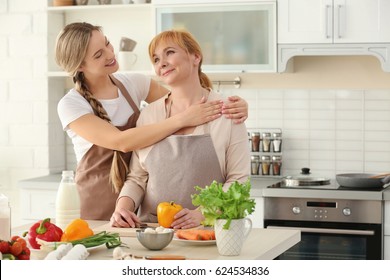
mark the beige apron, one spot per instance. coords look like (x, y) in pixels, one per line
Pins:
(176, 165)
(97, 199)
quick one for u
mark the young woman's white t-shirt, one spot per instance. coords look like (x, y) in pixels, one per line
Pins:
(73, 105)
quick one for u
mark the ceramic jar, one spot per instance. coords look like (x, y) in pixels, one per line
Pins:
(230, 241)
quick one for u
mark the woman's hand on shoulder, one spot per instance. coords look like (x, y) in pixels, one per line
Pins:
(236, 109)
(124, 218)
(201, 112)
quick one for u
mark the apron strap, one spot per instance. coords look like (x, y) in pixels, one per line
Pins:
(125, 93)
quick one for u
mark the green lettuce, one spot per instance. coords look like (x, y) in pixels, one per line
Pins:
(215, 203)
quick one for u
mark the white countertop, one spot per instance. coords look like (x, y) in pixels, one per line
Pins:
(261, 244)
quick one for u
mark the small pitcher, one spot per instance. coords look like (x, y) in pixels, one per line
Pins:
(230, 241)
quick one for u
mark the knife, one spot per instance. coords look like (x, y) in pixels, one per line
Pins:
(161, 257)
(165, 257)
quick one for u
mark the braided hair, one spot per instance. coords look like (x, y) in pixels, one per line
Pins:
(71, 48)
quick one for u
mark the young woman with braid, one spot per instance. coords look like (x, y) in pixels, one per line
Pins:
(99, 115)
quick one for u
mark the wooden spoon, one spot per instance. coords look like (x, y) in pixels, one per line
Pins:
(379, 175)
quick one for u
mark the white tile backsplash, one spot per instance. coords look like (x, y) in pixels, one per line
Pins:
(330, 131)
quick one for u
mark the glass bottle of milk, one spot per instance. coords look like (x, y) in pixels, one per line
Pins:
(67, 201)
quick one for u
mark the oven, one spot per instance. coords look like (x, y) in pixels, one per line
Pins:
(331, 229)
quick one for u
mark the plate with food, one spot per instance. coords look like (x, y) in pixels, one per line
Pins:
(198, 237)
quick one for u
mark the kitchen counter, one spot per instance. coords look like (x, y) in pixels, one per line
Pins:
(261, 244)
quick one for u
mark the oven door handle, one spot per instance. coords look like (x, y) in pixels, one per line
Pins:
(327, 230)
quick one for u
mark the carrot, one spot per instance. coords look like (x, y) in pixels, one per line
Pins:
(195, 234)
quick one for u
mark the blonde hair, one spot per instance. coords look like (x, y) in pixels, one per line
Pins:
(187, 42)
(70, 51)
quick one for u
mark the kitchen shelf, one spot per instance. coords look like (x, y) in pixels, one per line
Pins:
(92, 7)
(61, 74)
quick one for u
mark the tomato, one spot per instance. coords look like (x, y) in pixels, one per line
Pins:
(16, 249)
(14, 238)
(22, 242)
(166, 212)
(23, 256)
(27, 251)
(4, 247)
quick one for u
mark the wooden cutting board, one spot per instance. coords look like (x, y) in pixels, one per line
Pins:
(127, 232)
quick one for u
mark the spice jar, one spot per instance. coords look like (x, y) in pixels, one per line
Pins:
(277, 142)
(249, 141)
(276, 165)
(265, 165)
(255, 164)
(266, 139)
(255, 138)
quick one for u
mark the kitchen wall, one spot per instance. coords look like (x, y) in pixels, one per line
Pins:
(334, 111)
(24, 113)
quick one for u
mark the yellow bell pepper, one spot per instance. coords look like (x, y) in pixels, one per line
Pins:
(165, 213)
(77, 229)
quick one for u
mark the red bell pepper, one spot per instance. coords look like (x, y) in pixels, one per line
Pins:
(44, 230)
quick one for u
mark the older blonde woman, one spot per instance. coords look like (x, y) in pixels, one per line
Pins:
(194, 155)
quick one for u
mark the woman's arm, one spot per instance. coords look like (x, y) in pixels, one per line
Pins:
(236, 109)
(104, 134)
(237, 154)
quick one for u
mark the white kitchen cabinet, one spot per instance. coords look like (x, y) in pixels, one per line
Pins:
(333, 21)
(333, 27)
(234, 37)
(38, 197)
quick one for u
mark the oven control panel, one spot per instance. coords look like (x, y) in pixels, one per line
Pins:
(309, 209)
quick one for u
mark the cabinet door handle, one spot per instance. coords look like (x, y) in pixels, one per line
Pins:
(328, 21)
(328, 230)
(339, 22)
